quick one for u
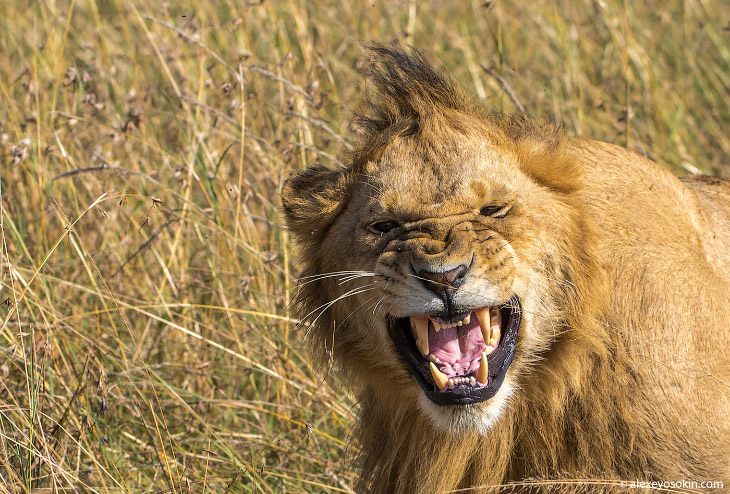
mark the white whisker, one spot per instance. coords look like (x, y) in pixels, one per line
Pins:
(333, 273)
(350, 275)
(323, 308)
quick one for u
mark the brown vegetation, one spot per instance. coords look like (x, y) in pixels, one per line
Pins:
(150, 347)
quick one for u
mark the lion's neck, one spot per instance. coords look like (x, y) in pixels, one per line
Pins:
(404, 453)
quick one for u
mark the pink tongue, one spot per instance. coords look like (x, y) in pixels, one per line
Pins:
(459, 349)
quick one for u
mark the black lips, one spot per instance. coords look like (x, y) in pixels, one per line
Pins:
(499, 360)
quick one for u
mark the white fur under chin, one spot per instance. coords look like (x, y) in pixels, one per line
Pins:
(479, 418)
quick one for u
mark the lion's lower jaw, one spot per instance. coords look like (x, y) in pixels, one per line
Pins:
(478, 418)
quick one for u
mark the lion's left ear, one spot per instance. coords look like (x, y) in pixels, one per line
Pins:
(311, 200)
(548, 164)
(542, 154)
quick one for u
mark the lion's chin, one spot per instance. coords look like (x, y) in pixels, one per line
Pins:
(477, 418)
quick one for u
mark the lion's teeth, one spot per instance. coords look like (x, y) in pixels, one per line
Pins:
(482, 316)
(438, 377)
(419, 326)
(494, 338)
(483, 319)
(467, 319)
(496, 324)
(482, 373)
(495, 317)
(485, 334)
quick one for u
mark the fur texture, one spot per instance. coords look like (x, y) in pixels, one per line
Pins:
(623, 272)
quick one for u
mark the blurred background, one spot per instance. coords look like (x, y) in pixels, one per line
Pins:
(146, 340)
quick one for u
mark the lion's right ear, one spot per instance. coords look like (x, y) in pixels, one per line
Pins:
(312, 199)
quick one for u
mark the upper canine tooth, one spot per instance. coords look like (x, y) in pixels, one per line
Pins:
(422, 346)
(420, 326)
(438, 377)
(485, 334)
(482, 373)
(483, 319)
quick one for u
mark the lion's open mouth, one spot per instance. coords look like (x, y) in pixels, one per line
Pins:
(462, 359)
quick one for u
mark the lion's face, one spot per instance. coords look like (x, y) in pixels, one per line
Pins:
(436, 230)
(436, 263)
(441, 249)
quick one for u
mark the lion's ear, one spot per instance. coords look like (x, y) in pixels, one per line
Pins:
(541, 151)
(548, 164)
(311, 200)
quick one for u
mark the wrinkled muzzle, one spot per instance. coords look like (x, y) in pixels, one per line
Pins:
(457, 325)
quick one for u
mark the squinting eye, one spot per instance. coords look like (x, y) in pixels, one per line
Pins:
(383, 226)
(494, 210)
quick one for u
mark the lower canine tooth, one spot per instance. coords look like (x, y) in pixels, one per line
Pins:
(482, 373)
(438, 377)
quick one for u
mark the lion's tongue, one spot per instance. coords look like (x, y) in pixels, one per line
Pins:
(458, 349)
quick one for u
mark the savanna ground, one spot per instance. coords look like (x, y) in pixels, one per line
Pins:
(146, 344)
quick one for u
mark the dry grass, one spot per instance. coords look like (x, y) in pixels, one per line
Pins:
(145, 341)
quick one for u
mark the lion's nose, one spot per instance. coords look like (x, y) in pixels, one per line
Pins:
(443, 283)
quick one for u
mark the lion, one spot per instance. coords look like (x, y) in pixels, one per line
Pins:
(517, 310)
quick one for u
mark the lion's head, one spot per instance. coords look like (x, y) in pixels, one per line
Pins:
(445, 260)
